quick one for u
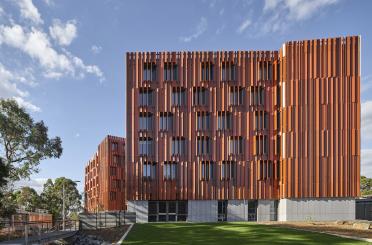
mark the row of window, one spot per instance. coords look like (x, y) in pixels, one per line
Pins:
(207, 170)
(228, 71)
(204, 145)
(203, 121)
(201, 96)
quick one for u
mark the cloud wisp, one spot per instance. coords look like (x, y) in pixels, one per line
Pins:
(199, 30)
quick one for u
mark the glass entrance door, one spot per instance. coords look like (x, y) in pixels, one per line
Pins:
(252, 210)
(222, 210)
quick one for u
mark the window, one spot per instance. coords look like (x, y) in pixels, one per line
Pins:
(170, 170)
(261, 120)
(207, 170)
(170, 71)
(149, 72)
(149, 170)
(114, 146)
(112, 195)
(228, 71)
(261, 145)
(178, 97)
(265, 71)
(200, 96)
(178, 146)
(257, 95)
(145, 121)
(266, 170)
(236, 96)
(115, 183)
(203, 145)
(112, 171)
(203, 121)
(224, 120)
(207, 71)
(236, 145)
(228, 171)
(115, 160)
(145, 146)
(145, 97)
(166, 121)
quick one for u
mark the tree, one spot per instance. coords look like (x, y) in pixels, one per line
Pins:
(365, 186)
(23, 142)
(27, 198)
(52, 197)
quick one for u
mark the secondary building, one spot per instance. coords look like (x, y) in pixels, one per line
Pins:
(245, 135)
(105, 177)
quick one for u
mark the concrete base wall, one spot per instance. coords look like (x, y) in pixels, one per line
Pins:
(237, 210)
(141, 209)
(322, 209)
(202, 211)
(265, 210)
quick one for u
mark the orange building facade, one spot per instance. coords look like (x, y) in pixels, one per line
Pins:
(105, 177)
(245, 135)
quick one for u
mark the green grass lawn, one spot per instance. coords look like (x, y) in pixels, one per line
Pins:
(226, 233)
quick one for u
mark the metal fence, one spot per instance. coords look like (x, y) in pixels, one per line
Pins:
(108, 219)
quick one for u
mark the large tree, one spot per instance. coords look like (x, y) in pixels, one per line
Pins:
(52, 197)
(24, 142)
(365, 186)
(27, 198)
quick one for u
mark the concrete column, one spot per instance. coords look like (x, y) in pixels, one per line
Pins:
(202, 210)
(237, 210)
(141, 208)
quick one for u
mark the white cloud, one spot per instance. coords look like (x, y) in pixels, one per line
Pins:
(199, 30)
(77, 135)
(26, 104)
(63, 33)
(29, 11)
(366, 162)
(366, 83)
(222, 11)
(96, 49)
(37, 184)
(366, 119)
(36, 44)
(278, 15)
(244, 25)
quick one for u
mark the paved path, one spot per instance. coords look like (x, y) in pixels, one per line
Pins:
(46, 237)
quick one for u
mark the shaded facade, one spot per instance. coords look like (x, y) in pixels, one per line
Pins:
(105, 176)
(245, 135)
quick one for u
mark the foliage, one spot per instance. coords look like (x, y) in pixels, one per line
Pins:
(4, 174)
(52, 197)
(27, 198)
(365, 186)
(7, 205)
(23, 142)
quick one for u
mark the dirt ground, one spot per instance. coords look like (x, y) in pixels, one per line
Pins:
(111, 235)
(329, 227)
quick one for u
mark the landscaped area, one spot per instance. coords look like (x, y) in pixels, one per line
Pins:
(226, 233)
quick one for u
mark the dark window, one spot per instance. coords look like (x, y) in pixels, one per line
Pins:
(261, 145)
(266, 170)
(207, 170)
(207, 71)
(178, 97)
(228, 171)
(145, 97)
(224, 120)
(114, 146)
(149, 72)
(115, 160)
(149, 170)
(228, 71)
(203, 121)
(166, 121)
(170, 170)
(265, 70)
(257, 95)
(112, 195)
(112, 171)
(178, 146)
(145, 121)
(261, 120)
(145, 146)
(236, 145)
(170, 71)
(236, 96)
(200, 96)
(203, 145)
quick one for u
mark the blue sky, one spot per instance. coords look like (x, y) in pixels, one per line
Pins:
(64, 60)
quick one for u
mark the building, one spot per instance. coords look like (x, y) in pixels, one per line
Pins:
(245, 135)
(105, 176)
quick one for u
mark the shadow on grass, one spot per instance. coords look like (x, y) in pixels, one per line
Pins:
(226, 233)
